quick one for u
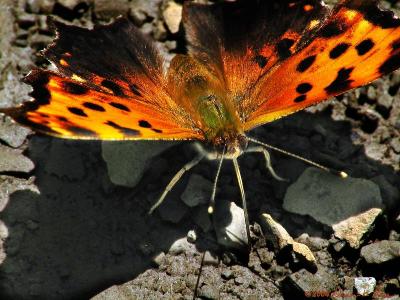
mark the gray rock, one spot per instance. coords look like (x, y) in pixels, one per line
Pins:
(180, 246)
(364, 285)
(330, 199)
(202, 219)
(105, 9)
(311, 285)
(355, 229)
(71, 4)
(314, 243)
(230, 225)
(198, 191)
(275, 233)
(127, 161)
(12, 160)
(172, 16)
(9, 185)
(172, 211)
(381, 252)
(11, 133)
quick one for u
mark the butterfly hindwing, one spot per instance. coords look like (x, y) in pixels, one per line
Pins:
(109, 85)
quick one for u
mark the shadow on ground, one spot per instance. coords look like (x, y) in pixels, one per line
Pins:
(83, 234)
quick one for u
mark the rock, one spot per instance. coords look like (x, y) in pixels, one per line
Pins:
(40, 6)
(180, 246)
(330, 199)
(126, 162)
(202, 219)
(9, 185)
(390, 194)
(304, 283)
(198, 191)
(282, 241)
(71, 4)
(191, 236)
(394, 235)
(12, 160)
(159, 259)
(314, 243)
(105, 9)
(172, 210)
(172, 16)
(364, 285)
(210, 259)
(209, 292)
(230, 225)
(355, 229)
(381, 252)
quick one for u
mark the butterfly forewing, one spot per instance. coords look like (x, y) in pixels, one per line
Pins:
(109, 84)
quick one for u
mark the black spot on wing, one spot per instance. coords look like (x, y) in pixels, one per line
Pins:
(62, 119)
(124, 130)
(24, 120)
(115, 88)
(144, 124)
(396, 45)
(157, 130)
(77, 111)
(80, 131)
(119, 106)
(260, 60)
(365, 46)
(306, 63)
(283, 48)
(135, 89)
(300, 98)
(341, 82)
(74, 88)
(304, 88)
(332, 29)
(391, 64)
(339, 50)
(93, 106)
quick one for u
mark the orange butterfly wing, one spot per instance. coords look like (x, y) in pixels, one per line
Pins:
(289, 55)
(109, 85)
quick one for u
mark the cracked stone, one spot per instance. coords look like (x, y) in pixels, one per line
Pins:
(330, 199)
(12, 160)
(355, 229)
(198, 191)
(381, 252)
(172, 16)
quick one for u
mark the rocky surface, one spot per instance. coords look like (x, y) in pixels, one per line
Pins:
(77, 224)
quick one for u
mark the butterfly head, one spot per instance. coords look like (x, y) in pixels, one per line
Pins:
(234, 144)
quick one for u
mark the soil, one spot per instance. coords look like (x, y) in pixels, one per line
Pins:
(67, 231)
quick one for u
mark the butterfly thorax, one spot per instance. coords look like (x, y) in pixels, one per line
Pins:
(203, 95)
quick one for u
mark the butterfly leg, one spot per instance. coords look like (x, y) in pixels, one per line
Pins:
(214, 190)
(267, 157)
(243, 196)
(176, 178)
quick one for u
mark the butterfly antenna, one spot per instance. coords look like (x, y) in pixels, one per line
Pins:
(243, 196)
(310, 162)
(214, 190)
(175, 179)
(198, 277)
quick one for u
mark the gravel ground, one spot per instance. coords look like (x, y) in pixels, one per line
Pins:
(73, 214)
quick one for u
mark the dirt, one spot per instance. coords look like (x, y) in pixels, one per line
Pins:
(68, 232)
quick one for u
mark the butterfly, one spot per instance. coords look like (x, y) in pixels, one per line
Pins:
(248, 63)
